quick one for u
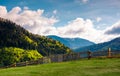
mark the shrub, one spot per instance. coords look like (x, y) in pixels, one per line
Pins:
(12, 55)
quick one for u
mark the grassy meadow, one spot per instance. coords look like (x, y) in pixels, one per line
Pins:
(93, 67)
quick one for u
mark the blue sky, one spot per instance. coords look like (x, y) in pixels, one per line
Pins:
(103, 15)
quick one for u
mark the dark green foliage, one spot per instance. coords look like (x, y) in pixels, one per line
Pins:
(11, 55)
(12, 35)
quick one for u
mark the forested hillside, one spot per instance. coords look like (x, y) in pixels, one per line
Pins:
(12, 35)
(17, 44)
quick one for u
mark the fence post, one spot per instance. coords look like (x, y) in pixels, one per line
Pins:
(89, 54)
(109, 52)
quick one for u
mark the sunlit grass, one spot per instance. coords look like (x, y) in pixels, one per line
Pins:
(93, 67)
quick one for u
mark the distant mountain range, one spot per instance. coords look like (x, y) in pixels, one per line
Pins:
(113, 44)
(72, 43)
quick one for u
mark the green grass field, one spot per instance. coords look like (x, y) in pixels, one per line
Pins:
(93, 67)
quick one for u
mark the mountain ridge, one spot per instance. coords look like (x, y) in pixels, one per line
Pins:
(114, 44)
(72, 42)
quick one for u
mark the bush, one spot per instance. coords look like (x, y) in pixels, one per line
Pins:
(12, 55)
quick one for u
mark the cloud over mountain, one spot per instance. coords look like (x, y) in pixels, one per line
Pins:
(80, 28)
(37, 23)
(114, 30)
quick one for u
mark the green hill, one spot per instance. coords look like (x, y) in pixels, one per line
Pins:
(12, 35)
(93, 67)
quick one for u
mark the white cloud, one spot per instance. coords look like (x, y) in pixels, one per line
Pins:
(112, 32)
(114, 29)
(3, 11)
(81, 28)
(85, 29)
(55, 12)
(26, 8)
(85, 1)
(98, 19)
(35, 22)
(81, 1)
(31, 20)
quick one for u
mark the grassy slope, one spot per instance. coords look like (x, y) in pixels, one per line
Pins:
(94, 67)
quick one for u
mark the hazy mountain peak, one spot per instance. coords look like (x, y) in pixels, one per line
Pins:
(113, 44)
(72, 43)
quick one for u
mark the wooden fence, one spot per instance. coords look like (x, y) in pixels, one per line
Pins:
(69, 57)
